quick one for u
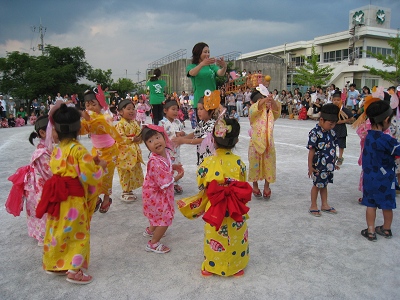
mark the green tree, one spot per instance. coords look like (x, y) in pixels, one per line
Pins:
(312, 73)
(99, 76)
(58, 70)
(124, 86)
(13, 70)
(388, 61)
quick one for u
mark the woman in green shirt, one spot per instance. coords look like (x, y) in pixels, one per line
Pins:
(203, 70)
(156, 88)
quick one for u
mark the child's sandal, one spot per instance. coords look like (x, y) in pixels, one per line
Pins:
(98, 204)
(78, 277)
(178, 189)
(369, 235)
(128, 197)
(157, 248)
(105, 208)
(387, 233)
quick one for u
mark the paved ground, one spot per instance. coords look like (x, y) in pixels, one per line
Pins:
(293, 254)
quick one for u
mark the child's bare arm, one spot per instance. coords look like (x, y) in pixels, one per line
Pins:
(311, 170)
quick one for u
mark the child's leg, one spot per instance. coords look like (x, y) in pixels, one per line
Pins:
(325, 207)
(387, 218)
(256, 189)
(341, 150)
(158, 232)
(267, 191)
(266, 186)
(324, 198)
(314, 196)
(370, 216)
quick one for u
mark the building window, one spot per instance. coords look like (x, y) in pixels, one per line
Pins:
(332, 56)
(371, 82)
(338, 56)
(326, 57)
(376, 50)
(345, 54)
(298, 61)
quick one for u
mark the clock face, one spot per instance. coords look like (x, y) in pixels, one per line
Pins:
(358, 17)
(380, 16)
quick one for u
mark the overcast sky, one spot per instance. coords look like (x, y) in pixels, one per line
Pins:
(127, 35)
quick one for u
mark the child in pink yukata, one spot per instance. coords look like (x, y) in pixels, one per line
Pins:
(34, 180)
(29, 180)
(19, 121)
(32, 119)
(158, 187)
(141, 109)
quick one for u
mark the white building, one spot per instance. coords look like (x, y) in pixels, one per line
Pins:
(345, 51)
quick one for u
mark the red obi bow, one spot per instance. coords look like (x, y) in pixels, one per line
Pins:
(56, 190)
(231, 198)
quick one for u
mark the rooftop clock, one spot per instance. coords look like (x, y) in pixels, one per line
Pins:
(358, 17)
(380, 16)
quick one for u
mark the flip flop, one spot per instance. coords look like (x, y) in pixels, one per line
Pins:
(267, 195)
(315, 212)
(105, 209)
(98, 204)
(330, 211)
(257, 194)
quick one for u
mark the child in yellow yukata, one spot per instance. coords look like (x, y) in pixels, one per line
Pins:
(130, 156)
(104, 137)
(223, 195)
(262, 156)
(69, 198)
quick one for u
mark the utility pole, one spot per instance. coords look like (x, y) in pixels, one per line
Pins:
(42, 31)
(126, 73)
(138, 73)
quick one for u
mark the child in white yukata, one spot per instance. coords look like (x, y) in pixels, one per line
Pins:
(174, 128)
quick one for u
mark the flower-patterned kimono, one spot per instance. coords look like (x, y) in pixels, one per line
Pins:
(104, 137)
(34, 180)
(67, 239)
(203, 130)
(262, 155)
(130, 156)
(158, 191)
(141, 109)
(226, 250)
(171, 128)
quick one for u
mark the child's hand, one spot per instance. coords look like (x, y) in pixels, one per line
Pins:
(177, 140)
(85, 115)
(100, 162)
(137, 139)
(311, 170)
(179, 169)
(337, 167)
(180, 133)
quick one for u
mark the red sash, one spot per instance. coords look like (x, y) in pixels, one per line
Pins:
(56, 190)
(231, 198)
